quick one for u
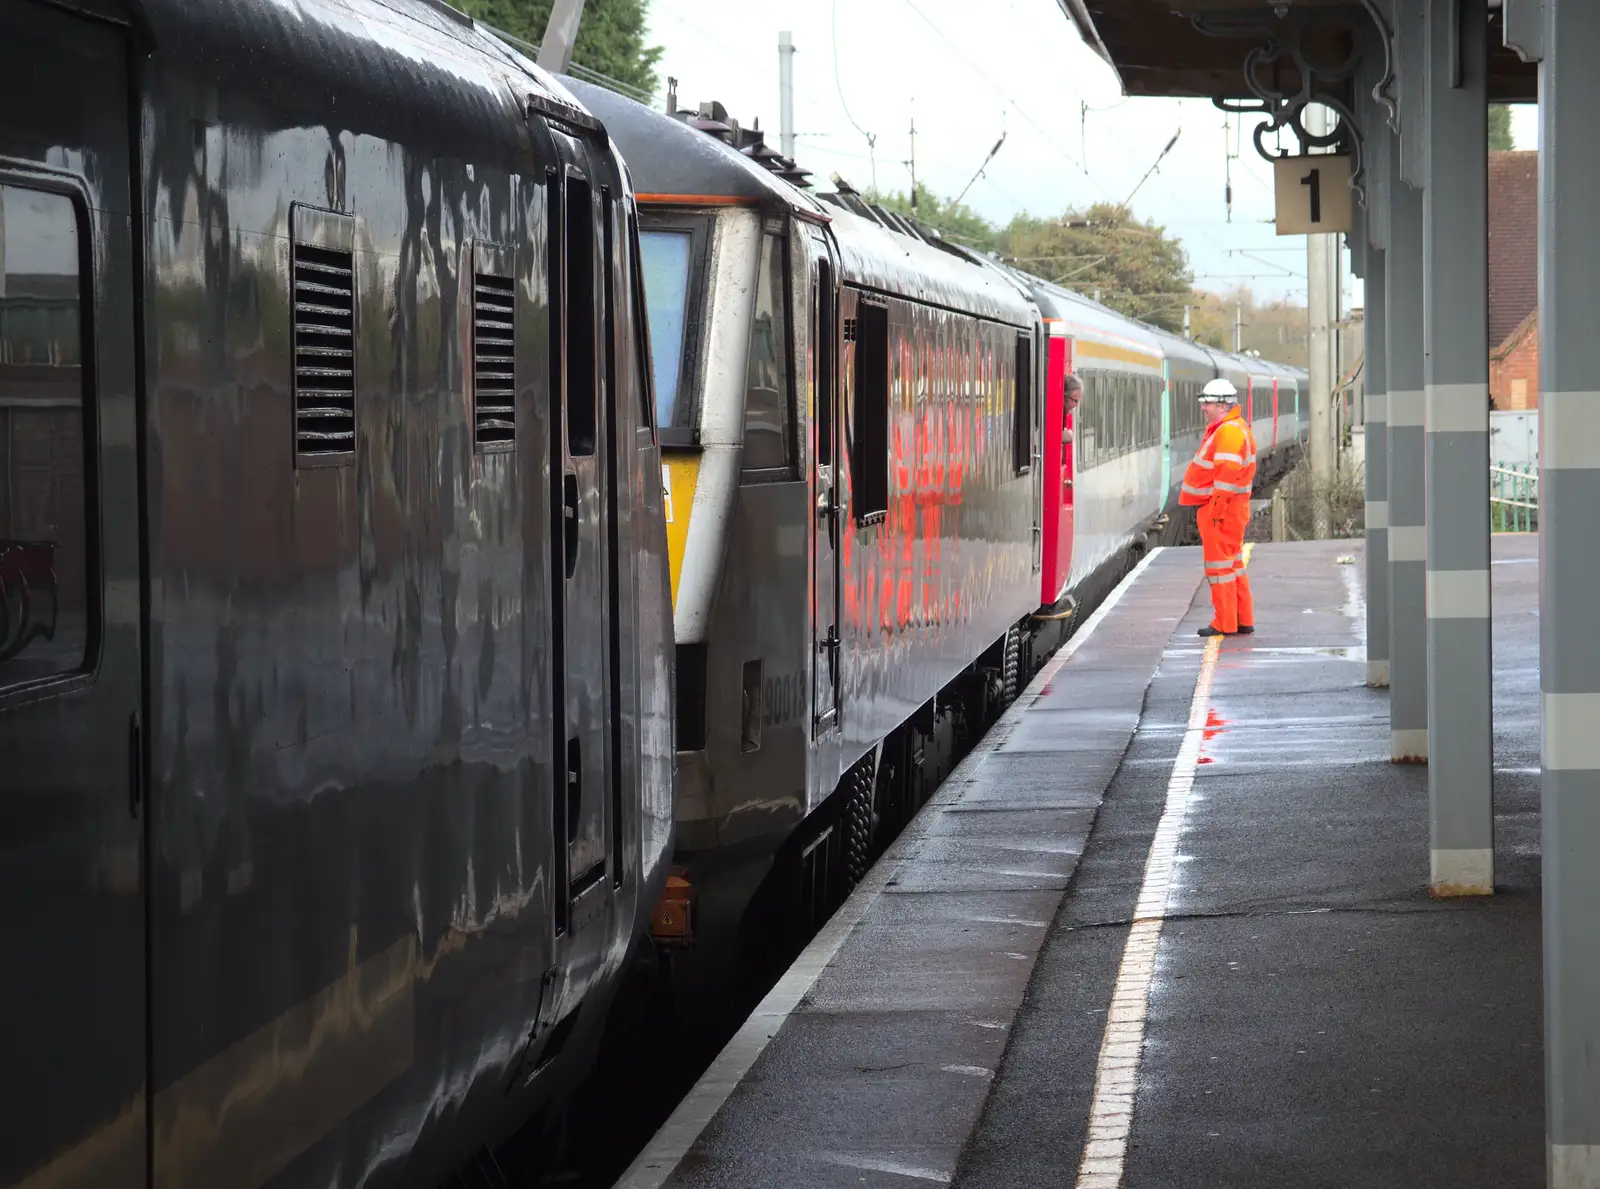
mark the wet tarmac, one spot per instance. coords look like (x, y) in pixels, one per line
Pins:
(1310, 1016)
(1315, 1019)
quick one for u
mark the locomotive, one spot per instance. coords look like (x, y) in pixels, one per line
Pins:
(337, 664)
(876, 527)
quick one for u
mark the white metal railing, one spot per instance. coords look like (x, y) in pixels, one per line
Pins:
(1513, 499)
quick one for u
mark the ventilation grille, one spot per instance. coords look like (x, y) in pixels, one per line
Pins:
(493, 355)
(324, 352)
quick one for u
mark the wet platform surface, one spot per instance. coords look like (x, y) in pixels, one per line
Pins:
(1310, 1017)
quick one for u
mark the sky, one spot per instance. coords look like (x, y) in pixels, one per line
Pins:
(1072, 138)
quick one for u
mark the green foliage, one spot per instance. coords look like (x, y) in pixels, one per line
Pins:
(956, 222)
(611, 38)
(1133, 264)
(1500, 138)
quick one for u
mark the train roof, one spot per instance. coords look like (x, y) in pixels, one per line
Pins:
(1177, 347)
(417, 71)
(1089, 318)
(706, 159)
(673, 158)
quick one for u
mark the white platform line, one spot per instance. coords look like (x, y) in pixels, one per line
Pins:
(1116, 1081)
(651, 1168)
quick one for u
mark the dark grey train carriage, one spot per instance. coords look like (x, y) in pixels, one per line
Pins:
(848, 432)
(335, 651)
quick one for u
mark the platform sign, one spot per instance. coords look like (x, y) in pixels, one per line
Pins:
(1313, 194)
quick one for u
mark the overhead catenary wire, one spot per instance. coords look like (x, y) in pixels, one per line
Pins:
(872, 140)
(1004, 94)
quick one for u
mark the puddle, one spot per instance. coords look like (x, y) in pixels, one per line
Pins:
(1344, 652)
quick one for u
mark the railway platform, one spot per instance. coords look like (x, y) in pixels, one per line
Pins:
(1168, 926)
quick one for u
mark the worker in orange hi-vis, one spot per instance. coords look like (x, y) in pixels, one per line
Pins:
(1217, 484)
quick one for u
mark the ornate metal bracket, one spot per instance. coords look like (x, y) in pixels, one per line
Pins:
(1282, 37)
(1380, 89)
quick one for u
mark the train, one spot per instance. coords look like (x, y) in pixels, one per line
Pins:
(456, 523)
(877, 524)
(336, 646)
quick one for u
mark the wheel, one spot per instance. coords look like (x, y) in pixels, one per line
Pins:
(858, 824)
(15, 612)
(1011, 668)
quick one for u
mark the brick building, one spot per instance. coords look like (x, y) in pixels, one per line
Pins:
(1514, 280)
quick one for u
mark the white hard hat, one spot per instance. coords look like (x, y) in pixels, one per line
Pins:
(1219, 391)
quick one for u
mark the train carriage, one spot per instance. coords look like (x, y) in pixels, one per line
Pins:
(851, 456)
(337, 739)
(1116, 452)
(1189, 367)
(878, 524)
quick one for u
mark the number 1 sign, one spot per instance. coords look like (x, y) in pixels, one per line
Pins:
(1313, 194)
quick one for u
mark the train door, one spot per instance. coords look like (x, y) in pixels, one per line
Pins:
(583, 542)
(71, 600)
(1056, 465)
(826, 661)
(1274, 411)
(1166, 427)
(1069, 471)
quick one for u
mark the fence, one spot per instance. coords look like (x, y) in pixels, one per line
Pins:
(1294, 505)
(1291, 515)
(1513, 499)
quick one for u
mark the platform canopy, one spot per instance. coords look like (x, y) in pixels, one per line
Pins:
(1198, 47)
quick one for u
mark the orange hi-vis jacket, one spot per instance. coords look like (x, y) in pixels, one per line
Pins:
(1225, 464)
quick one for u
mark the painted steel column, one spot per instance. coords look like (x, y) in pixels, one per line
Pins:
(1320, 369)
(1569, 550)
(1455, 270)
(1408, 652)
(1377, 469)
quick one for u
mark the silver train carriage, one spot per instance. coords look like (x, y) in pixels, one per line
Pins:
(335, 654)
(1136, 428)
(848, 426)
(876, 527)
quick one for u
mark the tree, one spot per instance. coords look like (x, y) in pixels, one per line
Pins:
(1500, 138)
(1133, 264)
(611, 38)
(1277, 329)
(956, 222)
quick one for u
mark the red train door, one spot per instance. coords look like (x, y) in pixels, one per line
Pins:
(1057, 464)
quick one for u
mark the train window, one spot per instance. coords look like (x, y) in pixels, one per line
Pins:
(823, 335)
(766, 404)
(1022, 409)
(45, 537)
(666, 257)
(869, 448)
(582, 375)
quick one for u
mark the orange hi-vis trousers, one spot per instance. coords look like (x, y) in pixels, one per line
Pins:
(1222, 523)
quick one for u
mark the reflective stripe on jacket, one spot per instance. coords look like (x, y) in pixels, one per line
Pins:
(1225, 464)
